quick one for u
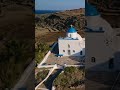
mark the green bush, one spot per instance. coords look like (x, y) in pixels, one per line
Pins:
(69, 69)
(40, 51)
(71, 76)
(13, 60)
(41, 75)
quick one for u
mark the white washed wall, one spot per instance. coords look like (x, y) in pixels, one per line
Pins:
(74, 45)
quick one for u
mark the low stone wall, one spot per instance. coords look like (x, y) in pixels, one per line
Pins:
(50, 72)
(47, 55)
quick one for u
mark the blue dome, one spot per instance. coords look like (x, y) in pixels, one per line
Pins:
(90, 10)
(71, 30)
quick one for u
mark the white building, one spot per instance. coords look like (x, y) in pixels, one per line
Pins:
(72, 45)
(102, 42)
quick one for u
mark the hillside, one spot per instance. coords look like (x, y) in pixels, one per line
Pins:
(55, 24)
(61, 20)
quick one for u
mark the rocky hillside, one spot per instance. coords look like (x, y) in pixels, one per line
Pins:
(60, 21)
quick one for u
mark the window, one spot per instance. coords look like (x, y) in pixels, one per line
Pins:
(68, 46)
(81, 52)
(63, 50)
(73, 50)
(69, 53)
(93, 59)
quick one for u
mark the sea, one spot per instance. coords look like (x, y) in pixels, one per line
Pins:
(46, 11)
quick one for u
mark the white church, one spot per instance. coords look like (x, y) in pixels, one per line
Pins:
(71, 45)
(102, 42)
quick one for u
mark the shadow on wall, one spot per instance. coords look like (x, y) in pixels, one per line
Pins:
(104, 73)
(117, 56)
(55, 49)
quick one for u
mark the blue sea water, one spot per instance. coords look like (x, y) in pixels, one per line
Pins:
(46, 11)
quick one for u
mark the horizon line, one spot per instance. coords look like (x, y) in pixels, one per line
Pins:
(60, 10)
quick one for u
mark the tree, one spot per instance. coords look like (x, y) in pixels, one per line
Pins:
(40, 51)
(13, 59)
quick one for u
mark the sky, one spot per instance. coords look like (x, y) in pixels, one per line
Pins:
(59, 4)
